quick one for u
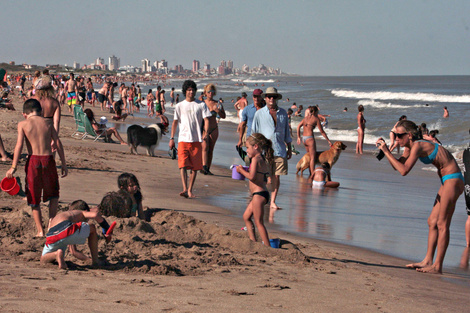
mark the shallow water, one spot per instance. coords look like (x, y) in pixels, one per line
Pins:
(374, 208)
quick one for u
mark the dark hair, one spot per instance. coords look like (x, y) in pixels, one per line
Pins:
(326, 165)
(403, 117)
(433, 133)
(125, 178)
(289, 111)
(189, 84)
(411, 128)
(117, 204)
(244, 95)
(360, 108)
(90, 115)
(32, 105)
(79, 205)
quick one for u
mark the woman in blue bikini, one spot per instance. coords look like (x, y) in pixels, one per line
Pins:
(452, 185)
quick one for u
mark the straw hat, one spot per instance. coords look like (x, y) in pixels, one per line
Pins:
(272, 91)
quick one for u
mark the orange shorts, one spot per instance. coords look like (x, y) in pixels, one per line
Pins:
(190, 155)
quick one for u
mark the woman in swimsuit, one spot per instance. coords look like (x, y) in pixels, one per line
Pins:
(361, 127)
(308, 123)
(452, 185)
(100, 128)
(322, 177)
(260, 150)
(210, 138)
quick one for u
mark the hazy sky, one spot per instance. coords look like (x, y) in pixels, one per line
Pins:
(354, 37)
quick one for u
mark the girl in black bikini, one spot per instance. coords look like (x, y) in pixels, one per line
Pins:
(260, 150)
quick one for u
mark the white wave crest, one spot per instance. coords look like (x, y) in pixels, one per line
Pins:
(386, 95)
(389, 105)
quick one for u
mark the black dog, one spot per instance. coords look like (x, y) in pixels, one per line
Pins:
(148, 137)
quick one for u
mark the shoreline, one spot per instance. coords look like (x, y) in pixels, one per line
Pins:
(336, 277)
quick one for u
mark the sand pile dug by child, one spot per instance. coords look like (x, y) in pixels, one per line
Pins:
(171, 243)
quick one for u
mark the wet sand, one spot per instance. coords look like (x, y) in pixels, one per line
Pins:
(192, 256)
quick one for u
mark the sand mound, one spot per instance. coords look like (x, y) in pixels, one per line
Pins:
(170, 243)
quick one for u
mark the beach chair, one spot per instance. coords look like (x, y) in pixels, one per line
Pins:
(77, 109)
(89, 131)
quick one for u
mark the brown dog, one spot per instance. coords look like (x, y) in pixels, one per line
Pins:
(330, 156)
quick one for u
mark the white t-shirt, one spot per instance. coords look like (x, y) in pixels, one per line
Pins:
(190, 116)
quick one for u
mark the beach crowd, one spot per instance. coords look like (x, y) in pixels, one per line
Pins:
(265, 139)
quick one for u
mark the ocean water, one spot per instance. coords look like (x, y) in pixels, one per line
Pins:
(374, 208)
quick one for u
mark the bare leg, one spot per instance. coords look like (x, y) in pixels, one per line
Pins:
(93, 244)
(249, 224)
(184, 180)
(275, 182)
(3, 153)
(57, 256)
(114, 131)
(432, 236)
(311, 148)
(192, 179)
(257, 204)
(467, 231)
(451, 191)
(360, 141)
(37, 216)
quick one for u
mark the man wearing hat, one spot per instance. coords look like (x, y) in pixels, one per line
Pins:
(273, 123)
(248, 114)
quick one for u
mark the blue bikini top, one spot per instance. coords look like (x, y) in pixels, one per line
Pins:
(428, 159)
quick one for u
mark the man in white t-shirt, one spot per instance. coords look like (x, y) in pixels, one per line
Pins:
(190, 115)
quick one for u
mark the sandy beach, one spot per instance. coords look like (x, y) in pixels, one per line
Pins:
(191, 256)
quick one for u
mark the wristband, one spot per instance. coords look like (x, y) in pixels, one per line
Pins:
(104, 225)
(14, 168)
(172, 138)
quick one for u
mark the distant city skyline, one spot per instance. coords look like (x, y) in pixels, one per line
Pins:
(362, 37)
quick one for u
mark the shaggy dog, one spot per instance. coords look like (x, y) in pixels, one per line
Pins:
(148, 137)
(330, 156)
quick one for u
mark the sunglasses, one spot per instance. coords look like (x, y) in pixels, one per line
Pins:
(399, 135)
(211, 91)
(271, 96)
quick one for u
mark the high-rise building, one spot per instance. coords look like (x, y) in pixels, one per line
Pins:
(230, 64)
(207, 68)
(146, 65)
(99, 61)
(114, 63)
(223, 63)
(196, 66)
(76, 65)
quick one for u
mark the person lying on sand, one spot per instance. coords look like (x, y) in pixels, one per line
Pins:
(70, 228)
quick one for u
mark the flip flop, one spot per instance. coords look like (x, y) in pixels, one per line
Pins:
(109, 232)
(241, 152)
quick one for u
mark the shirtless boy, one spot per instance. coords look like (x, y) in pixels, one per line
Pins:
(70, 228)
(72, 91)
(41, 172)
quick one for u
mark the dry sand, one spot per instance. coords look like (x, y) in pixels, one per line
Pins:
(191, 257)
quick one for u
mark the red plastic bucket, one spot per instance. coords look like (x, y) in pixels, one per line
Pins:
(10, 185)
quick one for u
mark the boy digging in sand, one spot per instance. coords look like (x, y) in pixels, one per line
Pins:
(69, 229)
(41, 172)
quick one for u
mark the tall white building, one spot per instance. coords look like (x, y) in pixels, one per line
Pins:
(146, 66)
(114, 63)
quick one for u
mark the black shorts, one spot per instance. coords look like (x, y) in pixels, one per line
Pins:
(101, 98)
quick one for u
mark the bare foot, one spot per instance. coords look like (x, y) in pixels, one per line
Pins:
(191, 196)
(39, 235)
(5, 159)
(465, 258)
(123, 143)
(429, 269)
(60, 259)
(184, 194)
(418, 265)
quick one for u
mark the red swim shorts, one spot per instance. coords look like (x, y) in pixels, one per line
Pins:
(190, 155)
(41, 177)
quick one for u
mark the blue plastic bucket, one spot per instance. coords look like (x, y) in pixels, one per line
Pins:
(275, 243)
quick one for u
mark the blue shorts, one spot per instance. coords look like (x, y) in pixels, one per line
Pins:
(77, 238)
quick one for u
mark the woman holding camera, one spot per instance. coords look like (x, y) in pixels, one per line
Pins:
(452, 185)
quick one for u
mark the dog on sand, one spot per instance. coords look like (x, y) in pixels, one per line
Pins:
(148, 137)
(330, 156)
